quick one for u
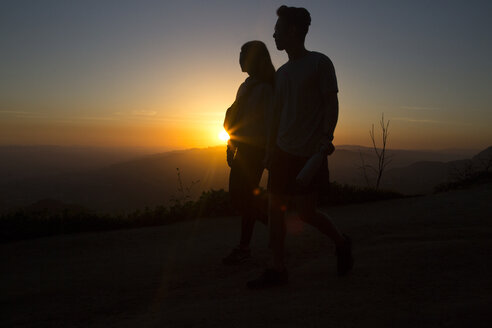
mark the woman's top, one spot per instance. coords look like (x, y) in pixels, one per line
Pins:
(249, 117)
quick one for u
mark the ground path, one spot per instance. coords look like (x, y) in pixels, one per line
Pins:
(420, 262)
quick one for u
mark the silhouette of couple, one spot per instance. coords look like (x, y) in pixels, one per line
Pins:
(281, 121)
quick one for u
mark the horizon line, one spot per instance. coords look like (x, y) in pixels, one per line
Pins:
(171, 149)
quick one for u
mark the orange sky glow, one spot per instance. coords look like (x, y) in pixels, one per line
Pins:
(162, 76)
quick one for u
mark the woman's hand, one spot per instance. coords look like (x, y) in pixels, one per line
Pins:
(230, 155)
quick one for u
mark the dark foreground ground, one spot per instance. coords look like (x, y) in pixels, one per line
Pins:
(420, 262)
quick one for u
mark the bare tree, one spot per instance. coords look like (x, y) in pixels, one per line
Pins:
(184, 192)
(383, 159)
(364, 167)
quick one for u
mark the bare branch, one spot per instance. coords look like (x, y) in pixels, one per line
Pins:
(383, 160)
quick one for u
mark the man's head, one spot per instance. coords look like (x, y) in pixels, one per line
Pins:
(291, 27)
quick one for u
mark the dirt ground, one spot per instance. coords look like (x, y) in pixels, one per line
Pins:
(419, 262)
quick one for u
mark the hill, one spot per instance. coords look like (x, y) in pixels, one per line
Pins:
(151, 180)
(423, 177)
(23, 162)
(420, 262)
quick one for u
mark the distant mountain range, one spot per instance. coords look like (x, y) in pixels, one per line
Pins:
(127, 181)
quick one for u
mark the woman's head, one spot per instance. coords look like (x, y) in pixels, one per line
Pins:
(255, 60)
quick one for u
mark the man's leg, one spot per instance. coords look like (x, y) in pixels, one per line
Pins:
(306, 208)
(278, 274)
(277, 207)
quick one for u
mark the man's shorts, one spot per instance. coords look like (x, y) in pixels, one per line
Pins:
(283, 172)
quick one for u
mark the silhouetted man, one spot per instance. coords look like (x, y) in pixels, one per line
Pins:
(305, 116)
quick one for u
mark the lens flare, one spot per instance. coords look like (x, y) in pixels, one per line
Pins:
(223, 135)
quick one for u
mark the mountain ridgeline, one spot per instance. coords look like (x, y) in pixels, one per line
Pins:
(125, 182)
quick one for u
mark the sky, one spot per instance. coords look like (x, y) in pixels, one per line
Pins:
(161, 74)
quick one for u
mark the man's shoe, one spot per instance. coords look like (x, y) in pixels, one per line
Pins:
(269, 278)
(237, 256)
(345, 261)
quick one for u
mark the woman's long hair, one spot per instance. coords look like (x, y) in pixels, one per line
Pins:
(257, 58)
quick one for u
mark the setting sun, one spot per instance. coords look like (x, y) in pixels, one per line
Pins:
(223, 135)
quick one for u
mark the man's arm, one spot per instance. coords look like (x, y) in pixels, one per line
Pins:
(329, 90)
(331, 114)
(330, 100)
(273, 122)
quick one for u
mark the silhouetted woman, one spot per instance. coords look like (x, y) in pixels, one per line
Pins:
(246, 123)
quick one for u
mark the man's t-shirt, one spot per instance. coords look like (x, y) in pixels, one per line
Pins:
(299, 88)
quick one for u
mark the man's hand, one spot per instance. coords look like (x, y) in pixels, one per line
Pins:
(326, 145)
